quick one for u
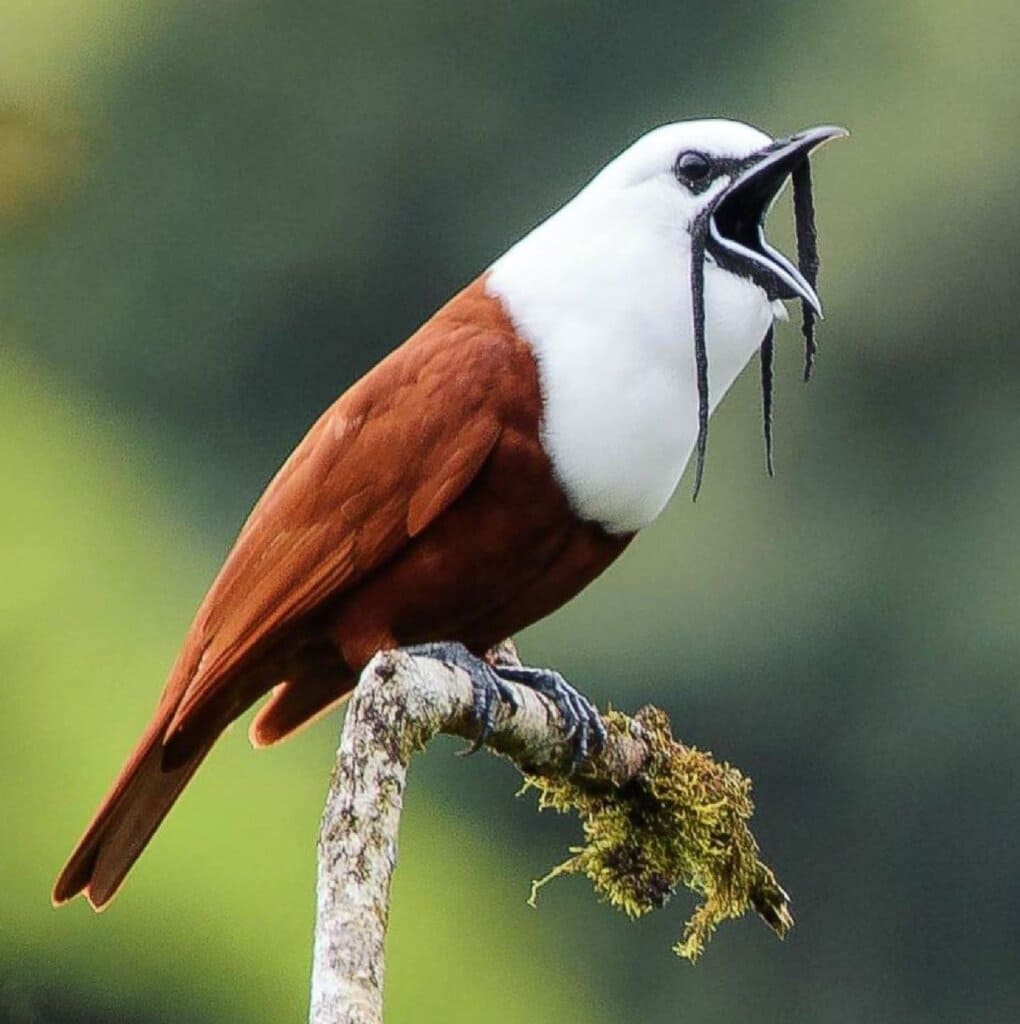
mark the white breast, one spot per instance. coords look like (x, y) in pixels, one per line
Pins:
(602, 293)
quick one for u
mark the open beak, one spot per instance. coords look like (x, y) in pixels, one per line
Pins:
(736, 237)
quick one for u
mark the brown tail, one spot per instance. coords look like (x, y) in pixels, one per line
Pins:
(156, 772)
(144, 792)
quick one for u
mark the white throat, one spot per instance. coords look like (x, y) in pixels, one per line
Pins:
(601, 291)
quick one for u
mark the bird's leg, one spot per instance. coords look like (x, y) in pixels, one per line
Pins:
(489, 682)
(486, 683)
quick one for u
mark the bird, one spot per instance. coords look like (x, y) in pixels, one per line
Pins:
(487, 469)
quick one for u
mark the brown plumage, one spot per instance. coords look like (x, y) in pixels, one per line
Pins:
(421, 506)
(425, 506)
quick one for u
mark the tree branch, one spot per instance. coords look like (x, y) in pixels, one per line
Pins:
(399, 705)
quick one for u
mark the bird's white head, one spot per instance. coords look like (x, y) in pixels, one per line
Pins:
(728, 174)
(644, 297)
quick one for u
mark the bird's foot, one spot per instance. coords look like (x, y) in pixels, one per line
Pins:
(583, 722)
(488, 687)
(491, 685)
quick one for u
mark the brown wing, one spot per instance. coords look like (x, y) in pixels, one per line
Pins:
(387, 459)
(380, 465)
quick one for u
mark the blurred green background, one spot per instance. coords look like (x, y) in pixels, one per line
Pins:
(214, 216)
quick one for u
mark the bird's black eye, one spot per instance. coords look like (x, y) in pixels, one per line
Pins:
(692, 167)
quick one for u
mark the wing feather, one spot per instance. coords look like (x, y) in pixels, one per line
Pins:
(378, 467)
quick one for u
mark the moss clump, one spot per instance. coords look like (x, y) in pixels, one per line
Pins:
(682, 821)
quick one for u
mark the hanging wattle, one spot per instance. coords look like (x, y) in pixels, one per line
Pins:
(699, 235)
(808, 263)
(807, 255)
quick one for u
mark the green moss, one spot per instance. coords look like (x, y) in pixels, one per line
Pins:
(681, 822)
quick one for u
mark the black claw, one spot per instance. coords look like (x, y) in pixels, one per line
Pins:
(489, 691)
(601, 736)
(582, 721)
(488, 688)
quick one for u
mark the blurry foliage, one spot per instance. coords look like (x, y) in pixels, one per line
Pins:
(222, 213)
(37, 157)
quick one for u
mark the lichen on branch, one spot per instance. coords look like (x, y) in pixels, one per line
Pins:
(681, 821)
(656, 816)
